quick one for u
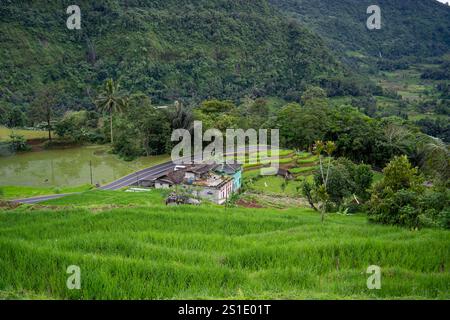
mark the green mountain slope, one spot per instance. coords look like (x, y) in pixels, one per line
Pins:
(418, 28)
(165, 48)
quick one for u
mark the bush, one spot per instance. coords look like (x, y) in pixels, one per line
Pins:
(80, 126)
(444, 219)
(128, 151)
(401, 199)
(347, 180)
(18, 143)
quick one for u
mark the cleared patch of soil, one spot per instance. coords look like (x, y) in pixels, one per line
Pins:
(8, 205)
(249, 203)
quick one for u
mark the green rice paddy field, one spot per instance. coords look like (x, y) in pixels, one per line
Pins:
(131, 246)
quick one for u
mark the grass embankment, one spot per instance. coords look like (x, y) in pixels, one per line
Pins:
(20, 192)
(152, 251)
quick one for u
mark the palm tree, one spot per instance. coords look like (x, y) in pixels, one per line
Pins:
(434, 156)
(112, 100)
(181, 117)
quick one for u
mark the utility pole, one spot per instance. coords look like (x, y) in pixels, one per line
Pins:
(226, 200)
(90, 169)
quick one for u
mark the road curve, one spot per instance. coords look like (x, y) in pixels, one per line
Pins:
(145, 174)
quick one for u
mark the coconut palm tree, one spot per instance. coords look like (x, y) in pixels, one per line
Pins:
(112, 100)
(434, 156)
(181, 117)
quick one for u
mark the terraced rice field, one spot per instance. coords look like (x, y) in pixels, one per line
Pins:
(132, 246)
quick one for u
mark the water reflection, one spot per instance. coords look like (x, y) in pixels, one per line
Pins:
(68, 167)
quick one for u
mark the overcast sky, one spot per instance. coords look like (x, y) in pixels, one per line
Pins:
(444, 1)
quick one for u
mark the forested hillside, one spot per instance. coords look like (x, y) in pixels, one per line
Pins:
(409, 28)
(167, 49)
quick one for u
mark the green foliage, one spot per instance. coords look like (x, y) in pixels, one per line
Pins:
(112, 100)
(343, 25)
(401, 199)
(294, 116)
(80, 126)
(44, 106)
(192, 50)
(143, 130)
(400, 174)
(439, 128)
(18, 143)
(217, 114)
(443, 73)
(255, 113)
(346, 181)
(356, 136)
(313, 93)
(12, 116)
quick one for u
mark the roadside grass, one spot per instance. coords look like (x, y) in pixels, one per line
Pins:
(159, 252)
(28, 134)
(19, 192)
(153, 197)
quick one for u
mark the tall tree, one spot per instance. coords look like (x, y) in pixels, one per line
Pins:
(320, 147)
(111, 100)
(43, 107)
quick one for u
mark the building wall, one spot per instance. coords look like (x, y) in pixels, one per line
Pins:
(237, 180)
(218, 196)
(159, 185)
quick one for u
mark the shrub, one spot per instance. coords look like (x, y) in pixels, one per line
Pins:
(346, 180)
(80, 126)
(399, 174)
(401, 199)
(444, 219)
(126, 149)
(18, 143)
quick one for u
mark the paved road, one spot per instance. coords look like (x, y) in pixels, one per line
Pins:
(145, 174)
(41, 198)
